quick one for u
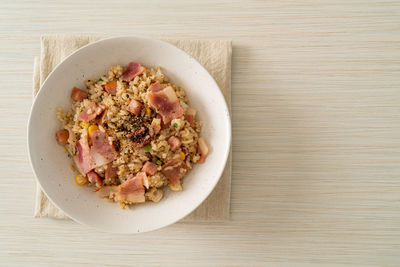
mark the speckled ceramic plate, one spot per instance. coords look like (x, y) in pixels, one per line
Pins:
(52, 168)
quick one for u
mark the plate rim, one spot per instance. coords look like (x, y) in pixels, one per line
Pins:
(178, 218)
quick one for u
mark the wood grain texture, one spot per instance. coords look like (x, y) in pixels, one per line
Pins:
(316, 125)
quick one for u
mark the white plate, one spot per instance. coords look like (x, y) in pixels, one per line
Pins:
(52, 167)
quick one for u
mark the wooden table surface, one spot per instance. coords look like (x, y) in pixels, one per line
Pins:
(316, 134)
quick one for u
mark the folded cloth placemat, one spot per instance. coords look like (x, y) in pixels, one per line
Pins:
(214, 55)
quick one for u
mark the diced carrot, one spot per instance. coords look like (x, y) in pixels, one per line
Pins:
(62, 137)
(78, 95)
(111, 87)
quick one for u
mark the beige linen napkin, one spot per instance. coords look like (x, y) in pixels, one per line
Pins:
(214, 55)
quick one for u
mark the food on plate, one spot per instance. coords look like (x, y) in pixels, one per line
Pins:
(130, 134)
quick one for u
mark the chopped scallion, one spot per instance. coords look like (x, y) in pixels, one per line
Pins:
(147, 148)
(100, 80)
(175, 125)
(158, 162)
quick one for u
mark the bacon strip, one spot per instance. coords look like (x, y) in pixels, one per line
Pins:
(155, 87)
(101, 151)
(166, 103)
(83, 159)
(189, 115)
(150, 168)
(94, 178)
(110, 173)
(135, 107)
(91, 112)
(174, 143)
(132, 190)
(133, 70)
(174, 169)
(202, 148)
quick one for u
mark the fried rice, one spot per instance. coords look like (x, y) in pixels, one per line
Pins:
(136, 136)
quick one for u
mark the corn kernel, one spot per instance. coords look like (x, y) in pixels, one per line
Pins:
(148, 111)
(183, 156)
(91, 129)
(80, 179)
(83, 124)
(64, 150)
